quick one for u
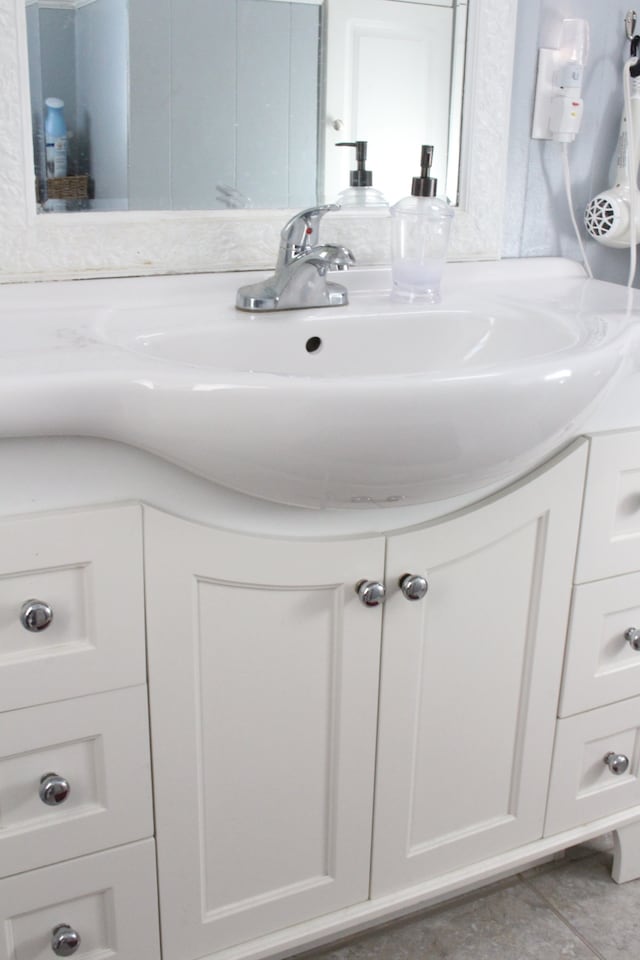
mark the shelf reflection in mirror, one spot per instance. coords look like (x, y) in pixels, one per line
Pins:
(214, 104)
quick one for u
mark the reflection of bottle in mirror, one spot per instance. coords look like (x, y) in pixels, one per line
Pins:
(361, 192)
(419, 238)
(55, 132)
(55, 136)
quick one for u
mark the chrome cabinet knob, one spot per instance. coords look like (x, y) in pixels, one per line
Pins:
(53, 789)
(617, 763)
(413, 586)
(371, 592)
(632, 636)
(35, 615)
(64, 940)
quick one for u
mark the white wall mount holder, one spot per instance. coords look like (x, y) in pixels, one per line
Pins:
(558, 105)
(557, 113)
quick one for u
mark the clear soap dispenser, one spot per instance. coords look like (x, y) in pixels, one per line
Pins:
(419, 238)
(361, 192)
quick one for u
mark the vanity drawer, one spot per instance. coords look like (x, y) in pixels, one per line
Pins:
(583, 787)
(86, 567)
(99, 746)
(602, 664)
(109, 899)
(610, 535)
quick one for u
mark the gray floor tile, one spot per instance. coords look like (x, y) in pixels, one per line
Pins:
(510, 922)
(602, 844)
(605, 914)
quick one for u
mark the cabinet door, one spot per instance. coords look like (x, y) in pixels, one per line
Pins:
(470, 679)
(583, 786)
(99, 745)
(263, 669)
(610, 535)
(86, 566)
(601, 666)
(108, 899)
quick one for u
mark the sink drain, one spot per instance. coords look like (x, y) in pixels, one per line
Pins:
(313, 344)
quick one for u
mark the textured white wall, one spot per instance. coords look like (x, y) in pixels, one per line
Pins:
(536, 218)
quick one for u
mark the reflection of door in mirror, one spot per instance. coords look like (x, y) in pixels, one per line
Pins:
(210, 104)
(390, 81)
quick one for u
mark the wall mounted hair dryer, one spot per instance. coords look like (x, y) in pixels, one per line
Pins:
(608, 216)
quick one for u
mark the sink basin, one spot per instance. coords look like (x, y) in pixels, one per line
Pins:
(375, 403)
(440, 343)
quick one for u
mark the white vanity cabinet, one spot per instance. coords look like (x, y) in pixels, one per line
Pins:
(318, 763)
(264, 670)
(77, 856)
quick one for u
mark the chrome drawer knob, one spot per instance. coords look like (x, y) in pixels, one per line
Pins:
(632, 636)
(64, 940)
(617, 763)
(35, 615)
(371, 592)
(53, 789)
(413, 586)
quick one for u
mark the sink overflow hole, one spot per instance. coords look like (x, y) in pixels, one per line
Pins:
(313, 344)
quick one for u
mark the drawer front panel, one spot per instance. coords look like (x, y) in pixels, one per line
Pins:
(108, 899)
(602, 665)
(610, 535)
(97, 745)
(86, 568)
(583, 788)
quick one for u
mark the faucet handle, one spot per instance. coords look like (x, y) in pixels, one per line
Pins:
(300, 234)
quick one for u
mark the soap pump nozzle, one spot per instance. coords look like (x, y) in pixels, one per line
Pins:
(425, 185)
(359, 177)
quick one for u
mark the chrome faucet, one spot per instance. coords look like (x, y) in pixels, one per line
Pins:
(300, 279)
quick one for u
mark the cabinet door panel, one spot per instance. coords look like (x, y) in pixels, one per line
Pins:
(610, 534)
(601, 666)
(263, 684)
(100, 745)
(87, 566)
(109, 899)
(470, 679)
(583, 788)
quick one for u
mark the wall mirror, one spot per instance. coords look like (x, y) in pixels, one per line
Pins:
(212, 104)
(136, 126)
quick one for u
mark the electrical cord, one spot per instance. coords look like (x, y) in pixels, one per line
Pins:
(567, 185)
(632, 171)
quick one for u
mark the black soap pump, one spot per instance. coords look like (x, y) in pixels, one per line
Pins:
(420, 226)
(361, 192)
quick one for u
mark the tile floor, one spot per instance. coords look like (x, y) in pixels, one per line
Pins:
(567, 909)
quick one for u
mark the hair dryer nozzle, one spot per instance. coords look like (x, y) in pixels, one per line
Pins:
(607, 218)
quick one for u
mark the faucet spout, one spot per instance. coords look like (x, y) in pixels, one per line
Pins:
(300, 279)
(331, 256)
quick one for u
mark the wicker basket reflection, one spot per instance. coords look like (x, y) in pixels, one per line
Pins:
(68, 188)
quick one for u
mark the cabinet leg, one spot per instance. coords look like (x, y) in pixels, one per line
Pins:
(626, 853)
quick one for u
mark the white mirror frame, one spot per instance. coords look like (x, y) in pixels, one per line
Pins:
(75, 245)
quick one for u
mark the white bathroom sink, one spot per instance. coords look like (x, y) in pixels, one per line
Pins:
(375, 403)
(378, 403)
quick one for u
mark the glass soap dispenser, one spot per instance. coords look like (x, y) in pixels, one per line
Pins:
(420, 228)
(360, 193)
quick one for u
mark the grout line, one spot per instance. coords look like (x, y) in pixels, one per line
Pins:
(562, 918)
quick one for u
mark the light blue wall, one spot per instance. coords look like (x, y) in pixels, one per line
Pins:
(536, 219)
(102, 74)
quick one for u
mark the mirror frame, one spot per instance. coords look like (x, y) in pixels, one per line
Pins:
(134, 243)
